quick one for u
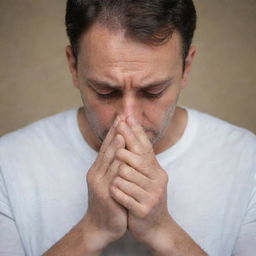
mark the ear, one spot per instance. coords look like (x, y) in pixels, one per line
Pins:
(72, 63)
(188, 64)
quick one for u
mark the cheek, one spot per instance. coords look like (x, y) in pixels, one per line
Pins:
(100, 115)
(158, 112)
(103, 115)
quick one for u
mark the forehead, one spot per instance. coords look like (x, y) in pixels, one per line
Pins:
(106, 52)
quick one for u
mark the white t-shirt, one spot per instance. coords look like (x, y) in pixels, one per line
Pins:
(211, 189)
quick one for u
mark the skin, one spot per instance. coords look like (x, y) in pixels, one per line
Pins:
(136, 120)
(128, 66)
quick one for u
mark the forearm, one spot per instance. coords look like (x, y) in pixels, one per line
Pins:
(80, 241)
(174, 241)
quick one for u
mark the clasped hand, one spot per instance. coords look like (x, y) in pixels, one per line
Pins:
(127, 186)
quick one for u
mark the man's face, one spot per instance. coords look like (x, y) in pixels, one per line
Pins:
(119, 76)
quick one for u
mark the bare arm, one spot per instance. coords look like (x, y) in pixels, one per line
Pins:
(141, 187)
(174, 241)
(80, 241)
(105, 220)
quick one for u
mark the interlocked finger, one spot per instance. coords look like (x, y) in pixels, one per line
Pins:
(139, 132)
(131, 189)
(131, 141)
(113, 169)
(109, 156)
(136, 162)
(130, 174)
(125, 200)
(108, 139)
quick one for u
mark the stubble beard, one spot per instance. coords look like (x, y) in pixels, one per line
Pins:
(164, 126)
(153, 135)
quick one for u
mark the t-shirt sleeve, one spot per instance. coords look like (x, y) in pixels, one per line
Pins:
(10, 242)
(246, 241)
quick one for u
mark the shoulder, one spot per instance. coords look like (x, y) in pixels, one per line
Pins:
(223, 138)
(37, 134)
(221, 130)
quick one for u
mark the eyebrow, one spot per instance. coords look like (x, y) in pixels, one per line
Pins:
(104, 85)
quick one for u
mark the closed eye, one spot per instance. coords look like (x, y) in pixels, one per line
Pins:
(152, 95)
(109, 95)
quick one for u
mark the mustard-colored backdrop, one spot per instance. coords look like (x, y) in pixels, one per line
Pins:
(35, 81)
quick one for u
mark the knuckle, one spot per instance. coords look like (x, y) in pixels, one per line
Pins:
(128, 203)
(156, 197)
(107, 155)
(122, 167)
(143, 212)
(90, 176)
(159, 190)
(153, 200)
(137, 148)
(124, 171)
(119, 153)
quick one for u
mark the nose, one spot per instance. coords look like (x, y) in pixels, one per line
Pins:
(131, 106)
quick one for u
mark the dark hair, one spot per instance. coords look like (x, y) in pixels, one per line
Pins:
(149, 21)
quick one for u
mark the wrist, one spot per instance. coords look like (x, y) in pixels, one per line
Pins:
(171, 239)
(162, 242)
(81, 240)
(95, 240)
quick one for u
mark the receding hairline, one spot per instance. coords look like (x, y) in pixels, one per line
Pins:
(115, 23)
(152, 23)
(122, 30)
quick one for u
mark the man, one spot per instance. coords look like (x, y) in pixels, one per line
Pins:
(160, 179)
